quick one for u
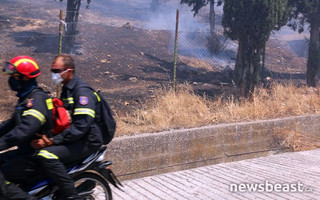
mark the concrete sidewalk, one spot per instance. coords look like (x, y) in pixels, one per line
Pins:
(283, 176)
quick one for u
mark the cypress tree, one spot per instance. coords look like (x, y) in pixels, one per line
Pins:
(251, 22)
(308, 11)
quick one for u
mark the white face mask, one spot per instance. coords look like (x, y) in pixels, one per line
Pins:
(56, 77)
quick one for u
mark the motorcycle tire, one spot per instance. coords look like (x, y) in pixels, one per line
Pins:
(92, 186)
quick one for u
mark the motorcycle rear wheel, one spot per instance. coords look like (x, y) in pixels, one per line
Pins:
(92, 186)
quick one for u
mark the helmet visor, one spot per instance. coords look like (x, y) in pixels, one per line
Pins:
(10, 68)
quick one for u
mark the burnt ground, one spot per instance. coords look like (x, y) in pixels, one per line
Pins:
(127, 64)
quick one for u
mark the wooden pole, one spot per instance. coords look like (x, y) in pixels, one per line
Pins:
(60, 31)
(60, 45)
(175, 51)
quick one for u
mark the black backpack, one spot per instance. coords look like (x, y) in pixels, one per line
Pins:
(104, 116)
(105, 120)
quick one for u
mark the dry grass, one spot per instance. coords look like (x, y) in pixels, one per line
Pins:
(279, 101)
(169, 110)
(184, 109)
(297, 140)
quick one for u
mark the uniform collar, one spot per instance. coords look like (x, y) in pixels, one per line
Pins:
(27, 88)
(25, 95)
(72, 83)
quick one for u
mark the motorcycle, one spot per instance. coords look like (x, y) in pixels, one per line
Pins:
(91, 179)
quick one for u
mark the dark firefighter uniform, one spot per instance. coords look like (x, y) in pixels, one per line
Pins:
(11, 191)
(32, 115)
(78, 141)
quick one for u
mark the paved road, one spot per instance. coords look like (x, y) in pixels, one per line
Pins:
(284, 176)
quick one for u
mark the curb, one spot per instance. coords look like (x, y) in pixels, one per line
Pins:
(155, 153)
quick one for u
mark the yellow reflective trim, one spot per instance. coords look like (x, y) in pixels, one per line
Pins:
(97, 96)
(26, 60)
(7, 182)
(70, 100)
(47, 154)
(49, 104)
(36, 114)
(84, 111)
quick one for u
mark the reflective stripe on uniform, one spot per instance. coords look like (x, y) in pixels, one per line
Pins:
(84, 111)
(70, 100)
(36, 114)
(49, 104)
(47, 154)
(97, 96)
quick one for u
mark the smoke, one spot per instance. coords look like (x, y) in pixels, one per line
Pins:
(164, 18)
(144, 15)
(193, 31)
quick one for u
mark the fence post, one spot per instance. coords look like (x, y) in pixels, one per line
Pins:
(60, 45)
(175, 52)
(60, 31)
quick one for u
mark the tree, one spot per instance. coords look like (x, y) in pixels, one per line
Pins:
(198, 4)
(73, 8)
(251, 23)
(308, 11)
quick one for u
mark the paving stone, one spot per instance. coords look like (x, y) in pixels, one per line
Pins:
(213, 182)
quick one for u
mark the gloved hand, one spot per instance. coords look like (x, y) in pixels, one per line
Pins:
(44, 141)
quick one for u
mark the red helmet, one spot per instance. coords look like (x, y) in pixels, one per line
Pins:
(22, 65)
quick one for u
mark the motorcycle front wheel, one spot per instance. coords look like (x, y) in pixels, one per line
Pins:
(91, 186)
